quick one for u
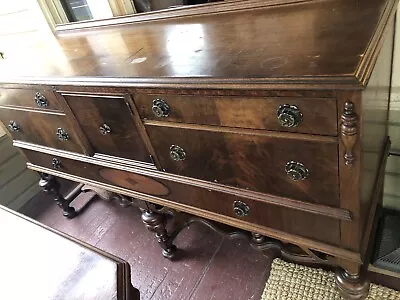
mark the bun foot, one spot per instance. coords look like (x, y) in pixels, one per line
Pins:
(70, 213)
(351, 287)
(170, 252)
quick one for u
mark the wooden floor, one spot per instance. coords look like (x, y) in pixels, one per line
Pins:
(210, 266)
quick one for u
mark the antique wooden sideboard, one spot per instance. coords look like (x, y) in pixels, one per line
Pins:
(268, 116)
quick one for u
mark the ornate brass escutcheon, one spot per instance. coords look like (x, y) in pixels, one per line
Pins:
(56, 164)
(240, 208)
(177, 153)
(104, 129)
(13, 126)
(160, 108)
(289, 116)
(296, 170)
(41, 100)
(62, 135)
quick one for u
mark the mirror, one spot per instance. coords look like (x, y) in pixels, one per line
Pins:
(83, 10)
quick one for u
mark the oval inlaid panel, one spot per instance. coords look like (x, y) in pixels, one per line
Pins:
(135, 182)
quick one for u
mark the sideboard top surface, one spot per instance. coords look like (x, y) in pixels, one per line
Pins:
(329, 42)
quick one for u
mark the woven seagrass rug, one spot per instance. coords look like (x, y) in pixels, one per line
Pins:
(289, 281)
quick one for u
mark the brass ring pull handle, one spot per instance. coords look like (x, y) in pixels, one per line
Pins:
(56, 163)
(13, 126)
(289, 116)
(105, 129)
(41, 100)
(160, 108)
(177, 153)
(62, 135)
(296, 171)
(240, 208)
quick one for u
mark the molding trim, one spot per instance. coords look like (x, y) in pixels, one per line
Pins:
(343, 82)
(245, 131)
(367, 63)
(35, 110)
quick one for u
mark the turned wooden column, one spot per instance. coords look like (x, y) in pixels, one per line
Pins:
(51, 186)
(156, 223)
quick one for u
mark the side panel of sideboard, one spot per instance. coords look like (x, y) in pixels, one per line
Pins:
(362, 121)
(375, 131)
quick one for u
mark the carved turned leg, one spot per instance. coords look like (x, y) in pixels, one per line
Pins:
(50, 185)
(351, 284)
(156, 223)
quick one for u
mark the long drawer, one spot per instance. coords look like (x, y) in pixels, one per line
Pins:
(42, 99)
(305, 115)
(225, 205)
(297, 168)
(52, 130)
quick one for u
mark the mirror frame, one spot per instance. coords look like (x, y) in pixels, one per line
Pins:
(175, 12)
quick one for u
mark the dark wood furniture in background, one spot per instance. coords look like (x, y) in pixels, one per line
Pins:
(38, 262)
(270, 116)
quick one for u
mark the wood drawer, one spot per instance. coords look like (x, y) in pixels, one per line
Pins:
(52, 130)
(260, 213)
(29, 98)
(318, 116)
(108, 125)
(252, 160)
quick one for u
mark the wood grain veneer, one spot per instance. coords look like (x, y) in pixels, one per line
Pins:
(108, 125)
(251, 162)
(318, 115)
(25, 98)
(134, 54)
(41, 128)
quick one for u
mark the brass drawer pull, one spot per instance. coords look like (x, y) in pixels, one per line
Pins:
(13, 126)
(62, 135)
(240, 208)
(296, 170)
(41, 100)
(56, 163)
(105, 129)
(289, 115)
(177, 153)
(160, 108)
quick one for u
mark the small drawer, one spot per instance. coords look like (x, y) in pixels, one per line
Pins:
(29, 98)
(300, 169)
(225, 205)
(51, 130)
(109, 126)
(305, 115)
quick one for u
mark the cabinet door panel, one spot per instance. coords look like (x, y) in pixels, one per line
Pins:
(108, 125)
